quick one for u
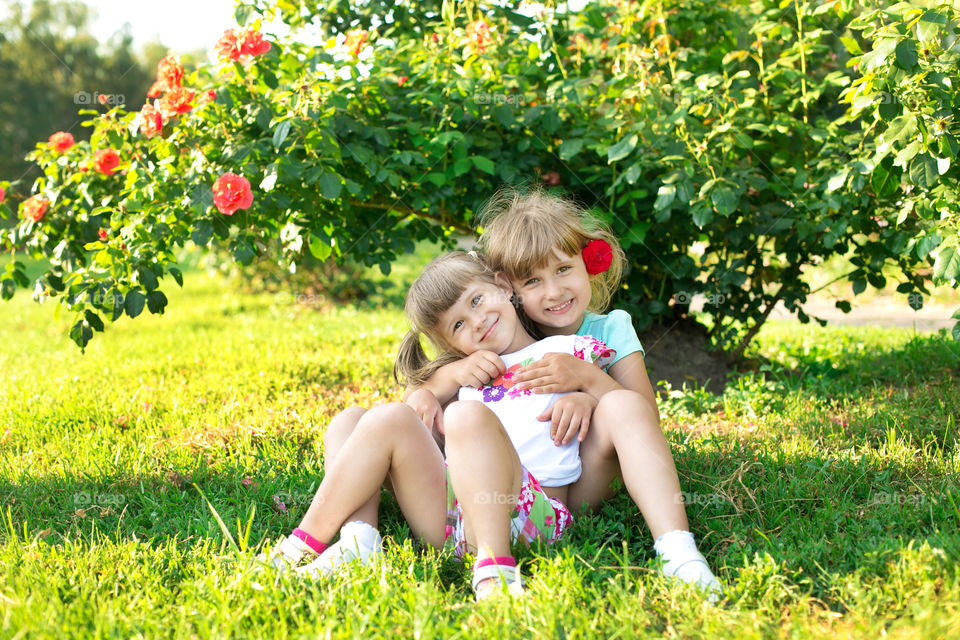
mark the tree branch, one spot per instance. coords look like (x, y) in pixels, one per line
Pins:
(407, 212)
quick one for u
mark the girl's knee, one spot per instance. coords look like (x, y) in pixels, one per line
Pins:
(392, 416)
(466, 415)
(343, 424)
(619, 403)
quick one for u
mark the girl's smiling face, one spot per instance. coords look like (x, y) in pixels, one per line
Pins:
(556, 295)
(484, 318)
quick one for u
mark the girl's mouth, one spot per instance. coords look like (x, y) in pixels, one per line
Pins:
(561, 308)
(490, 330)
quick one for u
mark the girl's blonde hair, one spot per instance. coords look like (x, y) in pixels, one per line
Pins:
(439, 286)
(522, 229)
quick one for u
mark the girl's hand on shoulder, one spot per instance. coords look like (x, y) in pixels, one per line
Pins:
(428, 408)
(554, 373)
(570, 416)
(479, 369)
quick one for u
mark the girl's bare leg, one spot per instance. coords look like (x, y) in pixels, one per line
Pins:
(336, 435)
(625, 440)
(388, 441)
(485, 473)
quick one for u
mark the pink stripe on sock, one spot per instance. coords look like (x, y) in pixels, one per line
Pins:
(312, 542)
(502, 561)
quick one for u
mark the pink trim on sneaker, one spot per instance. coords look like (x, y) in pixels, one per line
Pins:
(502, 561)
(317, 546)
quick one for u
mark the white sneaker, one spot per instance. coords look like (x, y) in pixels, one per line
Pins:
(288, 554)
(358, 542)
(682, 560)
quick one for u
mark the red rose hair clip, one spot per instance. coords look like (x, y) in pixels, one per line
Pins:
(597, 256)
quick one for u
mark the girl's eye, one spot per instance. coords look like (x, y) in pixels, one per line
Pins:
(457, 324)
(530, 282)
(563, 268)
(476, 300)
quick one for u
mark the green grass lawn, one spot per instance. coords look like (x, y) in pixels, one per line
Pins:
(823, 488)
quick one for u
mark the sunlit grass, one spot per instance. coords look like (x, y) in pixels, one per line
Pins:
(823, 487)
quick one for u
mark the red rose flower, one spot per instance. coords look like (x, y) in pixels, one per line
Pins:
(551, 178)
(152, 121)
(401, 81)
(355, 40)
(169, 76)
(228, 46)
(597, 256)
(34, 207)
(251, 43)
(3, 194)
(232, 192)
(175, 102)
(103, 234)
(209, 96)
(60, 141)
(106, 161)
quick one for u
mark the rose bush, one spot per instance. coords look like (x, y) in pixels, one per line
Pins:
(727, 145)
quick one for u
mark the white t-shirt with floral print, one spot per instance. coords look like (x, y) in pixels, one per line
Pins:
(553, 466)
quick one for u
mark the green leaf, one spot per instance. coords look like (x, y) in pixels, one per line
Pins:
(901, 127)
(330, 186)
(928, 244)
(81, 333)
(533, 51)
(461, 166)
(202, 233)
(665, 196)
(853, 47)
(906, 53)
(956, 331)
(283, 129)
(570, 147)
(876, 280)
(622, 149)
(484, 164)
(837, 181)
(156, 302)
(947, 265)
(93, 320)
(504, 115)
(177, 275)
(436, 178)
(724, 199)
(843, 305)
(147, 278)
(702, 215)
(907, 153)
(134, 303)
(923, 171)
(859, 286)
(884, 182)
(320, 249)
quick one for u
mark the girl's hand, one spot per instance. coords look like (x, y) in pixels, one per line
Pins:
(428, 408)
(555, 373)
(478, 369)
(568, 416)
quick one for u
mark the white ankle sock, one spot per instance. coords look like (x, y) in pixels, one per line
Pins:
(682, 560)
(358, 541)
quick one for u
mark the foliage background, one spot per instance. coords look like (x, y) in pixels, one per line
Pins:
(733, 147)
